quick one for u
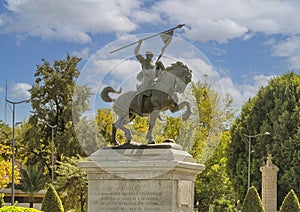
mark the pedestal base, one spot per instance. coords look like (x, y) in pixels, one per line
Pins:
(154, 179)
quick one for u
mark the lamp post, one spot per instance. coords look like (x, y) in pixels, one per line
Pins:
(13, 148)
(249, 153)
(52, 148)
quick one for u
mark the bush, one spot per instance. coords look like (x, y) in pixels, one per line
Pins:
(17, 209)
(51, 201)
(1, 200)
(290, 203)
(252, 201)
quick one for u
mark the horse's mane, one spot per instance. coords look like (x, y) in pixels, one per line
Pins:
(181, 71)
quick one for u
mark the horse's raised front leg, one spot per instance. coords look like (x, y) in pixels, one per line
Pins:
(152, 119)
(120, 125)
(177, 107)
(188, 111)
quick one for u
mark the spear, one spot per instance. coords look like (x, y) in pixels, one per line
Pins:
(178, 26)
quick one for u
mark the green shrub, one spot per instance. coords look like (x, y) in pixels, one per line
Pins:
(290, 203)
(17, 209)
(252, 202)
(51, 201)
(1, 200)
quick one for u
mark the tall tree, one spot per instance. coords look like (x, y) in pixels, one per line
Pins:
(213, 184)
(214, 114)
(52, 96)
(275, 109)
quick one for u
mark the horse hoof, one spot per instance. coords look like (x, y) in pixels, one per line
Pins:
(151, 142)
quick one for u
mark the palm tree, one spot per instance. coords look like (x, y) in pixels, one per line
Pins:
(32, 181)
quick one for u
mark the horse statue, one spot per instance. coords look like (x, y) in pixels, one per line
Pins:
(160, 97)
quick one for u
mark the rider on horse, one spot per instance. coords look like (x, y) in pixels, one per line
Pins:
(148, 76)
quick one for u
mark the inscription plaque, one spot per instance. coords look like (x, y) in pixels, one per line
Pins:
(132, 195)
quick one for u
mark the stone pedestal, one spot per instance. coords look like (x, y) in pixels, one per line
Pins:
(269, 185)
(159, 178)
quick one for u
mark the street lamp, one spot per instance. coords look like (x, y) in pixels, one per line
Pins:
(13, 149)
(52, 148)
(249, 153)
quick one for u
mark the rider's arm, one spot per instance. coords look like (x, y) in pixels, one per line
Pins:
(136, 51)
(160, 65)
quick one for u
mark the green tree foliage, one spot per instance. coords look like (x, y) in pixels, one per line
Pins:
(72, 183)
(51, 201)
(32, 181)
(213, 115)
(211, 138)
(276, 109)
(252, 202)
(5, 156)
(105, 120)
(213, 186)
(290, 203)
(172, 128)
(89, 136)
(52, 98)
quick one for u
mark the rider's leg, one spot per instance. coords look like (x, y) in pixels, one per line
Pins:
(140, 104)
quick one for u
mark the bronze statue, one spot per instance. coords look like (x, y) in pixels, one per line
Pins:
(157, 91)
(161, 97)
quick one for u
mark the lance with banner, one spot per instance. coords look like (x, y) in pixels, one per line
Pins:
(165, 35)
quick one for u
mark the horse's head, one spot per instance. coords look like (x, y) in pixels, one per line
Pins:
(183, 75)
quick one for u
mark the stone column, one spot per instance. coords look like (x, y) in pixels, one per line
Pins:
(160, 178)
(269, 185)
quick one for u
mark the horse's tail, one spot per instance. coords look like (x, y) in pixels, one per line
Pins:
(106, 91)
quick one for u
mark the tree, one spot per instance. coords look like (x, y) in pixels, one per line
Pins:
(5, 155)
(211, 137)
(72, 183)
(290, 203)
(213, 185)
(32, 181)
(213, 115)
(51, 201)
(275, 109)
(252, 202)
(52, 98)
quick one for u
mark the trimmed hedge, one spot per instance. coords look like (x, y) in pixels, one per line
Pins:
(51, 201)
(252, 202)
(17, 209)
(290, 203)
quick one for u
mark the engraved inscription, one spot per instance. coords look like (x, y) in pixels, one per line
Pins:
(131, 196)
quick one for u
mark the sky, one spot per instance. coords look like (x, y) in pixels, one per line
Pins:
(246, 41)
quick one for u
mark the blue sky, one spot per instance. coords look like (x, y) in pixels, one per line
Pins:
(247, 42)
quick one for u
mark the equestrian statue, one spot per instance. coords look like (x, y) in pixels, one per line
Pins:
(157, 92)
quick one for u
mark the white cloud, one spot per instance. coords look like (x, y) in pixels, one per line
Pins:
(70, 20)
(206, 20)
(246, 89)
(84, 53)
(221, 21)
(289, 49)
(20, 91)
